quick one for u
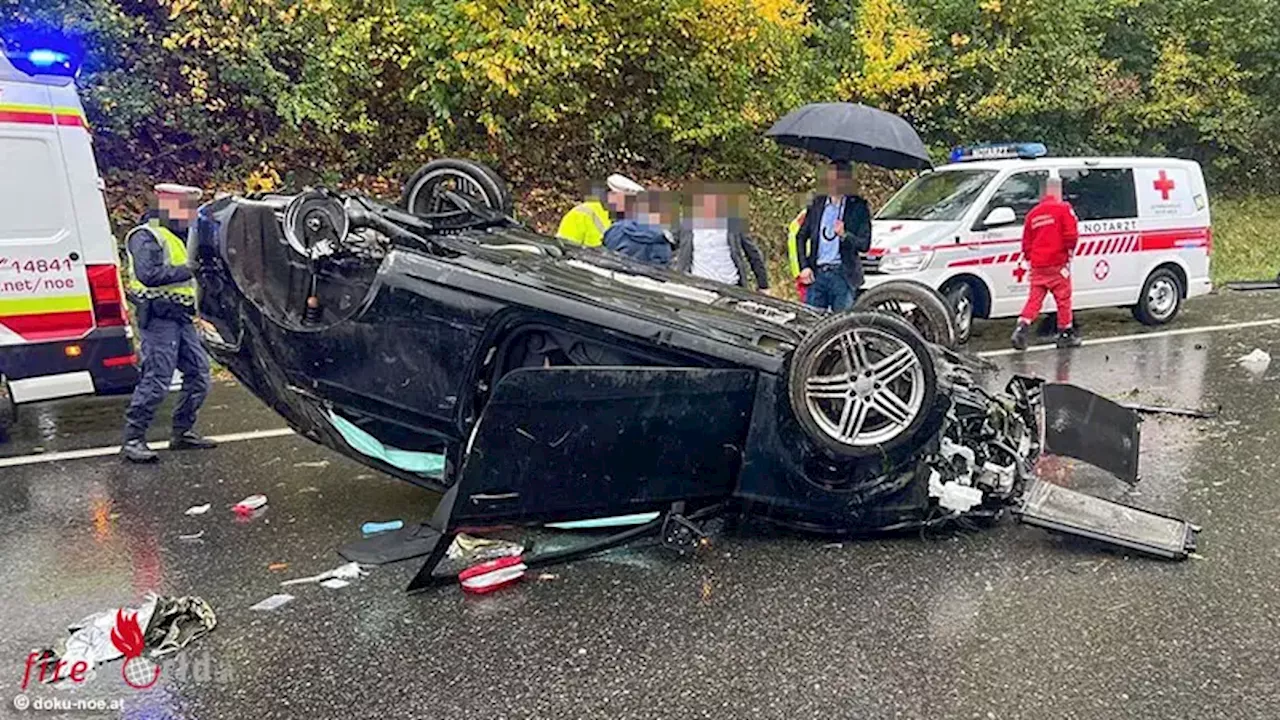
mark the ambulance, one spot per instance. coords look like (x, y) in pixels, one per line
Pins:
(64, 328)
(1145, 237)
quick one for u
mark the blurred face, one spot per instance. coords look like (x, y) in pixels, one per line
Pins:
(616, 201)
(175, 209)
(838, 180)
(1053, 188)
(706, 206)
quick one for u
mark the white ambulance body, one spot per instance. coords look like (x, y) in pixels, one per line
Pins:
(1145, 236)
(64, 330)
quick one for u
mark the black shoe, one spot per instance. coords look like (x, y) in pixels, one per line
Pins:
(1019, 338)
(189, 440)
(1069, 338)
(136, 451)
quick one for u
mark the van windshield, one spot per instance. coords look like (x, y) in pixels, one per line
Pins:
(937, 196)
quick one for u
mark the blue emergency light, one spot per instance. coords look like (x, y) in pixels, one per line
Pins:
(999, 151)
(42, 53)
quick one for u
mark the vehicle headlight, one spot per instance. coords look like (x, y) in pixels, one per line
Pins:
(904, 262)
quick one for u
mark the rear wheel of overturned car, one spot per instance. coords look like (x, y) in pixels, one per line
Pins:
(1161, 298)
(921, 305)
(424, 193)
(862, 384)
(961, 297)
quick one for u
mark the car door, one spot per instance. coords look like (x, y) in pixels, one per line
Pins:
(1105, 203)
(1000, 245)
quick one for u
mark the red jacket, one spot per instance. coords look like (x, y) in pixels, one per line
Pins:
(1050, 233)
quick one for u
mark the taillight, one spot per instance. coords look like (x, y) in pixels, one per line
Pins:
(108, 301)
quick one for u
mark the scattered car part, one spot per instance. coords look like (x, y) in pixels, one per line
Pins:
(492, 575)
(1178, 411)
(1091, 428)
(922, 306)
(1074, 513)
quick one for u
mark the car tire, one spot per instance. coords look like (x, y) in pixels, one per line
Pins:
(1161, 298)
(8, 410)
(930, 314)
(963, 301)
(850, 395)
(473, 178)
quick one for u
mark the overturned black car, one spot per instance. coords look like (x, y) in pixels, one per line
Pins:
(560, 382)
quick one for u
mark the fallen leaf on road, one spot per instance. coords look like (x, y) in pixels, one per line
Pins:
(274, 567)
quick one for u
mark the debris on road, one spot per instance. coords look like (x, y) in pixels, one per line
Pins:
(1255, 362)
(277, 567)
(492, 575)
(198, 509)
(473, 549)
(192, 536)
(160, 626)
(373, 528)
(250, 504)
(334, 583)
(349, 571)
(312, 464)
(1181, 412)
(272, 602)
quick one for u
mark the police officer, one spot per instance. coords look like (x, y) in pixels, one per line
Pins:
(164, 295)
(588, 221)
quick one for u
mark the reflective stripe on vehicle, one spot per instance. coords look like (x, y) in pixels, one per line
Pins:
(42, 115)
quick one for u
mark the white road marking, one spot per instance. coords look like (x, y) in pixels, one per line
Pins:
(1139, 336)
(281, 432)
(106, 451)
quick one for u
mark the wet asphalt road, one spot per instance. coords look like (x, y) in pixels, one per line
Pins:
(1007, 623)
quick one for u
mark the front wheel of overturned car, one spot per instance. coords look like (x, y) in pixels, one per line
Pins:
(1161, 298)
(921, 305)
(424, 193)
(862, 384)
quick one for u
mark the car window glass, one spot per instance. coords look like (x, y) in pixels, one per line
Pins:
(1020, 191)
(937, 196)
(1100, 193)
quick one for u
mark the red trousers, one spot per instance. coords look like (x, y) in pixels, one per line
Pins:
(1043, 282)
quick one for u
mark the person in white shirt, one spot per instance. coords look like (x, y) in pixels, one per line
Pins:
(712, 244)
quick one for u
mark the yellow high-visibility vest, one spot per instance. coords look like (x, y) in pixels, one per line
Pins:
(175, 254)
(793, 253)
(585, 224)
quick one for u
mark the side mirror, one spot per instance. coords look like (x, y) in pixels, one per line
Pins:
(1002, 215)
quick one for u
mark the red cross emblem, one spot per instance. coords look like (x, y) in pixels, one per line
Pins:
(1163, 185)
(1101, 270)
(1019, 272)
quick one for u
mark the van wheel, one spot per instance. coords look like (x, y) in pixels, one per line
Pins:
(862, 384)
(8, 410)
(1161, 298)
(959, 294)
(922, 306)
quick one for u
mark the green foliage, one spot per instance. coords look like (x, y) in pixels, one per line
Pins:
(220, 92)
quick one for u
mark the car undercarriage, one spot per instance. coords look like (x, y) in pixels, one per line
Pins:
(563, 383)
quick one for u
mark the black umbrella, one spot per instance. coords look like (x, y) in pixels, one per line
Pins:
(846, 132)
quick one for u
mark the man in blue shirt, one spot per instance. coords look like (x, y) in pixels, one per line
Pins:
(836, 230)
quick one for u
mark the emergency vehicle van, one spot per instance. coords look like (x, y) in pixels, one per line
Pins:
(64, 330)
(1145, 237)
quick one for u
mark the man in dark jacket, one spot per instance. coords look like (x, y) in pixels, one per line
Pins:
(715, 246)
(836, 229)
(163, 292)
(640, 236)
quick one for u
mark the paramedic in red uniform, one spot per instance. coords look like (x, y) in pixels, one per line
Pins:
(1048, 243)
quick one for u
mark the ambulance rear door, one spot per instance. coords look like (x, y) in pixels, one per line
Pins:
(44, 289)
